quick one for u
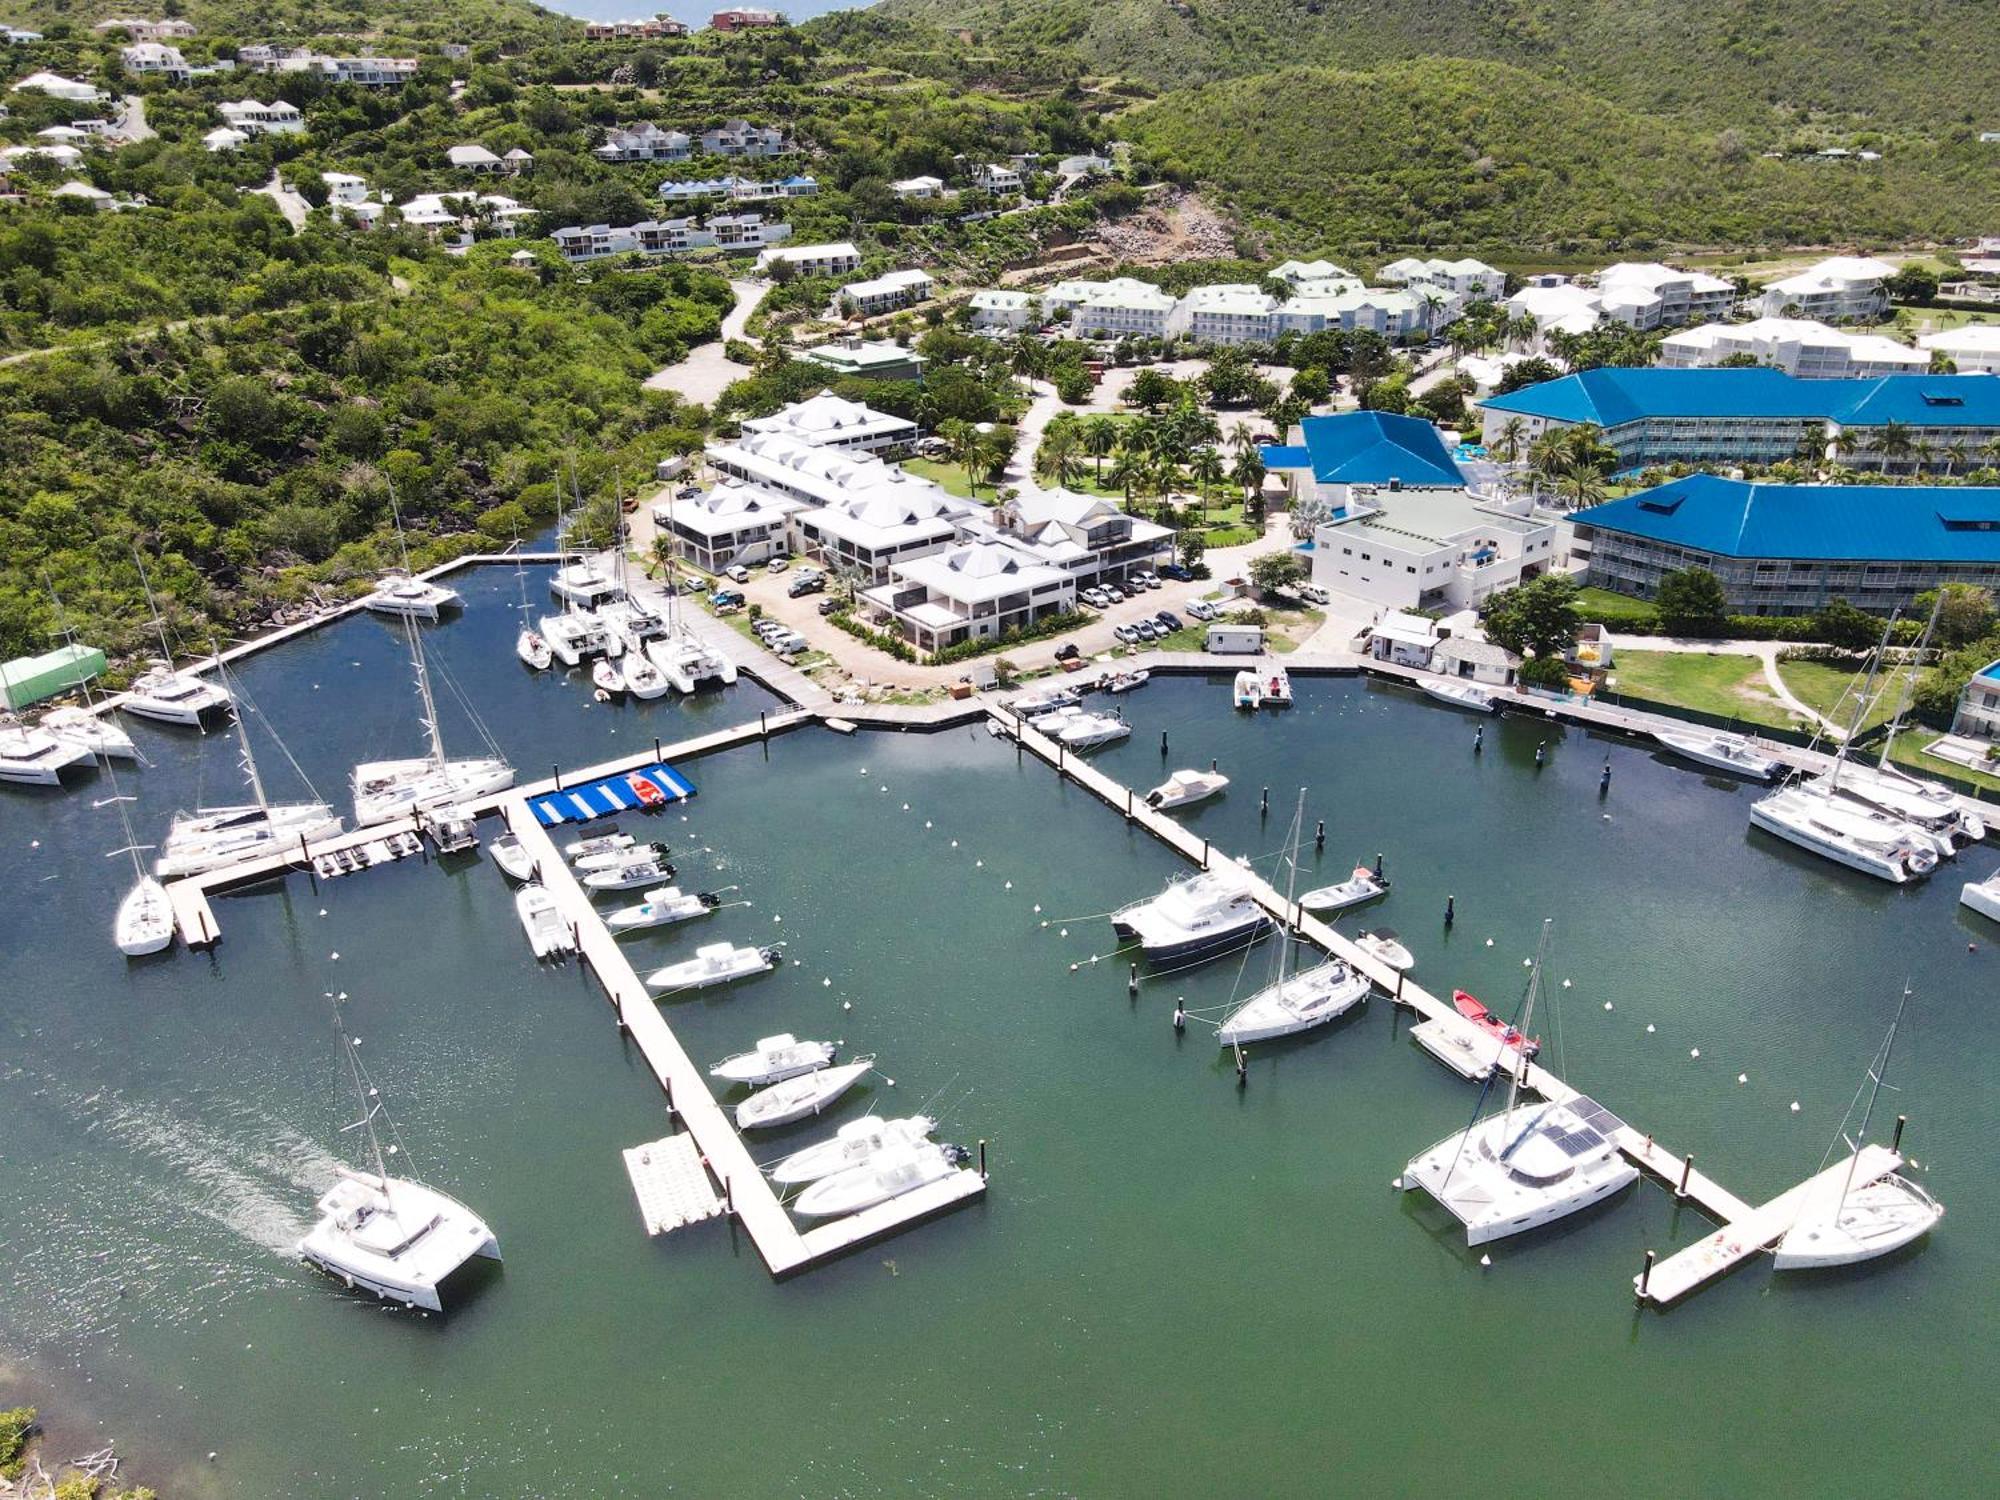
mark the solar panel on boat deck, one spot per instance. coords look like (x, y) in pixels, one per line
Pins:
(1595, 1115)
(1577, 1142)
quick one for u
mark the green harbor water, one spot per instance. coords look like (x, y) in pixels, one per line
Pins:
(1174, 1287)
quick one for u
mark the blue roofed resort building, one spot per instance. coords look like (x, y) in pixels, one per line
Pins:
(1790, 549)
(1757, 416)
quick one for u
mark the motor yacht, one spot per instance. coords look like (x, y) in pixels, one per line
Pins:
(598, 843)
(628, 872)
(512, 856)
(1385, 947)
(621, 853)
(1043, 700)
(1089, 731)
(1195, 916)
(1275, 685)
(1125, 682)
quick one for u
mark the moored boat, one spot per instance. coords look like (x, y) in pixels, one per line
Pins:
(890, 1174)
(1723, 752)
(1384, 946)
(512, 856)
(713, 964)
(1247, 691)
(548, 934)
(667, 904)
(1185, 789)
(145, 920)
(33, 757)
(100, 732)
(853, 1145)
(1460, 693)
(1196, 916)
(774, 1059)
(400, 593)
(637, 868)
(1363, 885)
(1983, 896)
(1125, 682)
(174, 697)
(796, 1098)
(1846, 833)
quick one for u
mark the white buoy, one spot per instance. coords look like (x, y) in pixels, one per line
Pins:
(1485, 1260)
(333, 955)
(776, 918)
(826, 984)
(927, 822)
(1063, 933)
(847, 1005)
(1074, 967)
(1527, 963)
(906, 807)
(1742, 1077)
(1795, 1106)
(1008, 886)
(1489, 942)
(1038, 907)
(1694, 1052)
(954, 843)
(322, 911)
(1566, 984)
(1649, 1028)
(979, 864)
(1607, 1005)
(1045, 920)
(864, 770)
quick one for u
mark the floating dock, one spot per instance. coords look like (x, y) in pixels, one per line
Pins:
(672, 1184)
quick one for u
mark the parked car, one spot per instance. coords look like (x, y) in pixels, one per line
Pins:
(1068, 651)
(1176, 572)
(1202, 610)
(1114, 593)
(1126, 634)
(1312, 593)
(1146, 579)
(1166, 619)
(739, 574)
(693, 586)
(1096, 598)
(1147, 630)
(726, 599)
(829, 606)
(688, 492)
(777, 565)
(802, 585)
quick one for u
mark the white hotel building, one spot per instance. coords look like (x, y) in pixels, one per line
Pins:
(1796, 346)
(1844, 286)
(827, 421)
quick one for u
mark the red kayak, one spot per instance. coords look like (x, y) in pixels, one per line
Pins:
(647, 792)
(1492, 1025)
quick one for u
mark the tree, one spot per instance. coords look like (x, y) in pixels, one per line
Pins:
(1512, 439)
(1525, 373)
(1312, 386)
(1099, 436)
(1206, 469)
(1938, 690)
(1152, 389)
(1912, 284)
(1056, 460)
(1275, 572)
(1691, 602)
(1966, 614)
(1841, 624)
(1193, 545)
(1538, 617)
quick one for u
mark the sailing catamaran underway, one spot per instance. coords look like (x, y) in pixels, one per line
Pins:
(386, 789)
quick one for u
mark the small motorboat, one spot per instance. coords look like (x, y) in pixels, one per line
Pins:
(716, 963)
(548, 933)
(1509, 1039)
(1247, 691)
(1723, 752)
(629, 875)
(1046, 700)
(513, 858)
(774, 1059)
(1276, 685)
(853, 1145)
(607, 859)
(795, 1098)
(667, 904)
(890, 1175)
(1461, 694)
(533, 648)
(99, 731)
(145, 921)
(1363, 885)
(643, 679)
(1124, 682)
(597, 843)
(647, 791)
(1983, 896)
(1185, 788)
(1385, 947)
(1088, 731)
(607, 676)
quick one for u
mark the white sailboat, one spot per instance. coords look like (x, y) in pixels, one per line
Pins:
(390, 1236)
(1721, 751)
(210, 837)
(689, 663)
(387, 789)
(1863, 1220)
(1528, 1165)
(1196, 916)
(607, 677)
(713, 964)
(145, 920)
(853, 1145)
(774, 1059)
(529, 643)
(1292, 1003)
(1185, 789)
(97, 732)
(1983, 896)
(548, 934)
(796, 1098)
(889, 1174)
(34, 757)
(162, 693)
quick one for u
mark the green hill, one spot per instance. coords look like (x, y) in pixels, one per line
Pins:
(1450, 152)
(1764, 65)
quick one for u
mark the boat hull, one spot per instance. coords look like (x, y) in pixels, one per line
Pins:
(1876, 1220)
(1758, 768)
(1162, 950)
(1983, 897)
(1808, 837)
(145, 922)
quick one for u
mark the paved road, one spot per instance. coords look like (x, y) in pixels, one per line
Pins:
(702, 376)
(290, 204)
(133, 126)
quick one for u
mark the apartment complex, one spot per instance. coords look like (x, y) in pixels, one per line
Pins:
(1468, 279)
(1645, 295)
(644, 141)
(364, 72)
(1842, 287)
(738, 189)
(1232, 313)
(886, 293)
(837, 259)
(1329, 458)
(1811, 351)
(1974, 349)
(827, 421)
(729, 232)
(1431, 549)
(279, 117)
(155, 60)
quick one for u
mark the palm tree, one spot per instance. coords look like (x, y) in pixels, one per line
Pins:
(1128, 467)
(1924, 453)
(1955, 457)
(1028, 356)
(1205, 468)
(1242, 439)
(1513, 438)
(1099, 436)
(1580, 484)
(988, 450)
(1892, 442)
(1056, 460)
(1249, 472)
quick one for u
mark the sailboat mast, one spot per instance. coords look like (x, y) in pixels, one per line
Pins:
(1910, 682)
(243, 740)
(1527, 1017)
(159, 623)
(430, 713)
(1875, 1077)
(1291, 885)
(396, 514)
(368, 1106)
(1862, 700)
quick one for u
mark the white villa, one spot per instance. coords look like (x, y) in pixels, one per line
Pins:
(1645, 294)
(154, 60)
(145, 31)
(578, 244)
(1975, 348)
(886, 293)
(645, 142)
(1466, 278)
(827, 421)
(226, 138)
(1003, 309)
(919, 188)
(973, 591)
(733, 522)
(279, 117)
(472, 158)
(994, 178)
(741, 138)
(1564, 308)
(58, 87)
(1112, 309)
(837, 259)
(1845, 286)
(1796, 346)
(344, 187)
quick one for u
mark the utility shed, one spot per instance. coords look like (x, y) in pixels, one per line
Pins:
(30, 679)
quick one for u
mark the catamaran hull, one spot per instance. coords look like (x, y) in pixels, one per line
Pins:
(410, 1294)
(1486, 1221)
(1881, 867)
(1983, 897)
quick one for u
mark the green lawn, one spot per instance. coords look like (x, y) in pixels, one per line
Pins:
(1729, 686)
(1821, 683)
(1908, 751)
(1607, 608)
(951, 476)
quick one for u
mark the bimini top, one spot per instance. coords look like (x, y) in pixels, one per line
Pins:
(1612, 397)
(1370, 447)
(1825, 522)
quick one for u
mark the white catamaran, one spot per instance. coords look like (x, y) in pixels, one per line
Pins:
(162, 693)
(386, 789)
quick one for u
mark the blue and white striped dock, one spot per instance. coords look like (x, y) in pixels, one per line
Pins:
(607, 796)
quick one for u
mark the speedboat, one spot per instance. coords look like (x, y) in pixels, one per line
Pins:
(715, 963)
(1247, 691)
(1185, 788)
(100, 732)
(145, 921)
(533, 648)
(1276, 686)
(1385, 947)
(1929, 805)
(1046, 700)
(513, 858)
(774, 1059)
(1363, 885)
(414, 598)
(1846, 833)
(598, 843)
(174, 697)
(1860, 1224)
(795, 1098)
(1983, 896)
(584, 584)
(628, 872)
(1124, 682)
(1460, 694)
(38, 758)
(548, 933)
(1320, 994)
(890, 1174)
(397, 1239)
(212, 837)
(667, 904)
(1524, 1167)
(1088, 731)
(1195, 916)
(1724, 752)
(607, 676)
(853, 1145)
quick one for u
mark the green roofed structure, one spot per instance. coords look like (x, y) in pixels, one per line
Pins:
(872, 359)
(31, 679)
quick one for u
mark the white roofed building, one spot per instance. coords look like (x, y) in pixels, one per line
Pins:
(154, 60)
(58, 87)
(886, 293)
(994, 177)
(1468, 278)
(828, 421)
(1113, 309)
(1002, 308)
(1556, 309)
(644, 142)
(1975, 348)
(472, 158)
(226, 138)
(918, 188)
(1644, 294)
(975, 590)
(735, 521)
(1796, 346)
(1843, 286)
(837, 259)
(1225, 313)
(279, 117)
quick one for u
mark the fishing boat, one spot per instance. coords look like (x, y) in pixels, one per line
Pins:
(34, 757)
(1527, 1165)
(598, 843)
(774, 1059)
(1385, 947)
(890, 1174)
(386, 789)
(1125, 682)
(796, 1098)
(1185, 789)
(1460, 693)
(1847, 833)
(855, 1144)
(1983, 896)
(716, 963)
(1196, 916)
(98, 732)
(607, 676)
(173, 697)
(1089, 731)
(1247, 691)
(1276, 686)
(392, 1237)
(513, 857)
(400, 593)
(548, 934)
(1363, 885)
(662, 906)
(1043, 700)
(636, 869)
(619, 854)
(1864, 1219)
(1721, 752)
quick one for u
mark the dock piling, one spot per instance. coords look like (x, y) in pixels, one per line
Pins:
(1319, 837)
(1450, 911)
(1180, 1016)
(1242, 1069)
(1264, 804)
(1163, 744)
(1896, 1144)
(982, 1160)
(1687, 1171)
(1646, 1274)
(1132, 982)
(555, 774)
(1604, 782)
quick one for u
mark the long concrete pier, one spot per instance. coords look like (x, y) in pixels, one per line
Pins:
(1744, 1227)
